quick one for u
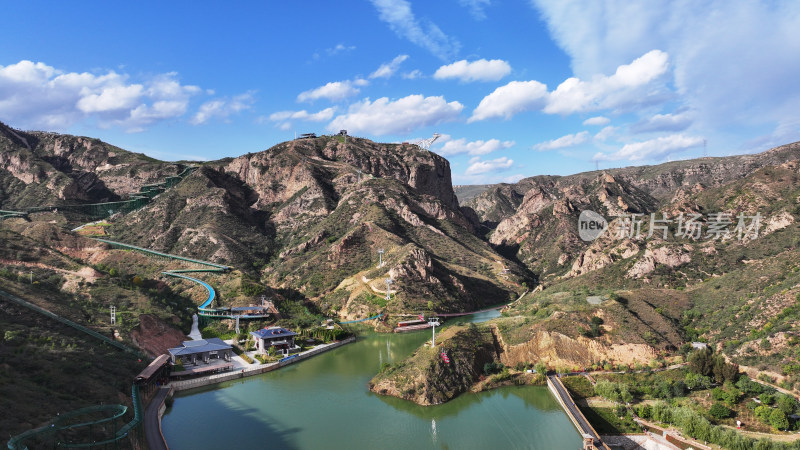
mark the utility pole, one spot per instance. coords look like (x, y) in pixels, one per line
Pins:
(433, 322)
(113, 315)
(380, 258)
(389, 282)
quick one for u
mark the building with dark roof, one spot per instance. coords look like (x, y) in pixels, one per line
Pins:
(191, 352)
(278, 337)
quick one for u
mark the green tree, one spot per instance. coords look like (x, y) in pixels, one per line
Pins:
(778, 419)
(616, 392)
(702, 362)
(697, 381)
(787, 404)
(763, 413)
(719, 411)
(767, 399)
(723, 371)
(644, 411)
(719, 394)
(624, 393)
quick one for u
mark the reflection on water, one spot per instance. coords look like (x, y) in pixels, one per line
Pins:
(323, 402)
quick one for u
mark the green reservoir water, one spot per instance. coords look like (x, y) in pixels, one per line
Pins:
(323, 403)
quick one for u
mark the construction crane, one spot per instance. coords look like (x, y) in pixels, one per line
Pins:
(425, 144)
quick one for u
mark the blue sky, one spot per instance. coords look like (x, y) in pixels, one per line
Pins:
(515, 88)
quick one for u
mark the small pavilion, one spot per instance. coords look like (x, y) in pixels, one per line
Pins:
(278, 337)
(192, 352)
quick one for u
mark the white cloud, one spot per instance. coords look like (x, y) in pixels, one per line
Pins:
(319, 116)
(222, 108)
(564, 141)
(599, 120)
(333, 91)
(475, 7)
(631, 85)
(513, 98)
(413, 75)
(492, 165)
(605, 133)
(111, 99)
(480, 70)
(400, 116)
(340, 48)
(663, 122)
(654, 149)
(386, 70)
(36, 95)
(479, 147)
(608, 92)
(733, 62)
(398, 14)
(513, 178)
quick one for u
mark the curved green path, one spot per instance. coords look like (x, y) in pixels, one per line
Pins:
(101, 210)
(52, 430)
(205, 308)
(61, 423)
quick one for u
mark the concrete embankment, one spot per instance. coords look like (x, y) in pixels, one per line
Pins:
(576, 416)
(259, 369)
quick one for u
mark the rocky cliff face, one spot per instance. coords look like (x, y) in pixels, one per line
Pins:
(521, 217)
(42, 169)
(543, 230)
(302, 215)
(321, 164)
(208, 216)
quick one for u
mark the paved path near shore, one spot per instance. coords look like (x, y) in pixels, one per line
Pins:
(152, 424)
(195, 333)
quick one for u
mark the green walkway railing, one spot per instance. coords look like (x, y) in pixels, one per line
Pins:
(51, 433)
(217, 267)
(68, 322)
(205, 309)
(61, 423)
(101, 210)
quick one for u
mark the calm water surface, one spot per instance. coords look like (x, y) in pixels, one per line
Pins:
(323, 403)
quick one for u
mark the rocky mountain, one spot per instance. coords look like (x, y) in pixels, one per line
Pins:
(310, 215)
(516, 217)
(39, 168)
(700, 250)
(304, 221)
(731, 279)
